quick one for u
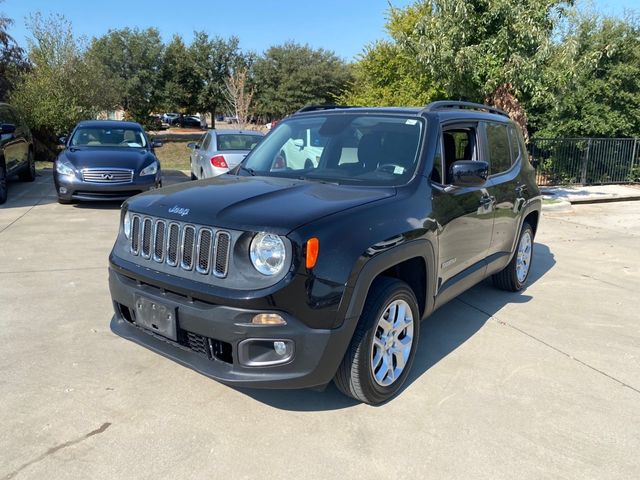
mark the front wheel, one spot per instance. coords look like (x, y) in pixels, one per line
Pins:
(29, 173)
(514, 276)
(4, 186)
(383, 346)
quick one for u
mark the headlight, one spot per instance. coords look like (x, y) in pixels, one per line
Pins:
(64, 167)
(126, 225)
(150, 169)
(267, 253)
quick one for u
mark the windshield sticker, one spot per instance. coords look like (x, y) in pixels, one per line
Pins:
(411, 121)
(398, 170)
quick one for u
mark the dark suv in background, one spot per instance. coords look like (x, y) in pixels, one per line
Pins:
(288, 274)
(16, 149)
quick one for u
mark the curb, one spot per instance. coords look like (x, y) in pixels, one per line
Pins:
(561, 206)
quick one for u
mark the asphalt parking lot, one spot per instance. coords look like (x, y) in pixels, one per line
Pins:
(541, 384)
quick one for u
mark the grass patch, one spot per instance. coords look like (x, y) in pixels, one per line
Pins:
(174, 156)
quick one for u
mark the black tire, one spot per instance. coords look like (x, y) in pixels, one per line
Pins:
(355, 375)
(507, 279)
(29, 173)
(4, 186)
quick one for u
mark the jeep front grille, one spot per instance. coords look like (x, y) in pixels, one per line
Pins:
(185, 246)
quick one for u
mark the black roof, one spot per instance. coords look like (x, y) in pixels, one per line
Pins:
(108, 123)
(444, 110)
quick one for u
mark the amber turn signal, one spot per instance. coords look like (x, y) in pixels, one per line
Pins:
(313, 248)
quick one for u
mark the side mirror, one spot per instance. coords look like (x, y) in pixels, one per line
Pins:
(193, 146)
(299, 142)
(7, 128)
(469, 173)
(62, 140)
(156, 144)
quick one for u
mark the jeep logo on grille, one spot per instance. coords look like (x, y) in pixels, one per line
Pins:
(179, 211)
(107, 176)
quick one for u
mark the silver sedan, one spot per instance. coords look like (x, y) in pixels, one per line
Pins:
(218, 151)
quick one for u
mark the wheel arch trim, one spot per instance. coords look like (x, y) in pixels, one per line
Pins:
(353, 306)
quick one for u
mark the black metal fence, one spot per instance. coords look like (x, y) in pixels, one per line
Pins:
(585, 161)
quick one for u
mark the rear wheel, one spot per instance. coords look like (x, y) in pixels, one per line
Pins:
(514, 276)
(29, 173)
(3, 183)
(383, 346)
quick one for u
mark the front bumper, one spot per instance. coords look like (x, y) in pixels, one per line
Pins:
(72, 188)
(209, 335)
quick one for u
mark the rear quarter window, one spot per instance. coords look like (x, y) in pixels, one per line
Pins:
(499, 147)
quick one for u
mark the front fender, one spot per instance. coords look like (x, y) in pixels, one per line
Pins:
(362, 278)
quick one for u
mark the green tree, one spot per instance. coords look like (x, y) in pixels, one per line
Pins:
(483, 50)
(290, 76)
(12, 60)
(133, 59)
(593, 80)
(213, 59)
(61, 87)
(179, 79)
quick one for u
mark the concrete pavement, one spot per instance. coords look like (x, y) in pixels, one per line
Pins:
(541, 384)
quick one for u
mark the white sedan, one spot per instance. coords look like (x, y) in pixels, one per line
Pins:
(218, 151)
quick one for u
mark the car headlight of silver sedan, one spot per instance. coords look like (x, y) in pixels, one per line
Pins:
(268, 253)
(150, 169)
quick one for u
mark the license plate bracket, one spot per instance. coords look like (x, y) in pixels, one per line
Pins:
(156, 317)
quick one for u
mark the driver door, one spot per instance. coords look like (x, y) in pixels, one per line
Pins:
(464, 215)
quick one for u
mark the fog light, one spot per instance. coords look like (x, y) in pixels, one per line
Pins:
(268, 319)
(63, 190)
(280, 348)
(263, 352)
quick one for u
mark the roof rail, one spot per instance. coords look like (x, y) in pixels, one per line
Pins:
(445, 104)
(312, 108)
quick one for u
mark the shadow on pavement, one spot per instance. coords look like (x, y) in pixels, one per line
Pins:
(441, 333)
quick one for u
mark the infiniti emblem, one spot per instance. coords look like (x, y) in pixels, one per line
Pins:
(107, 176)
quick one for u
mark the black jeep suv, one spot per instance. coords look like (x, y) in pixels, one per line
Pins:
(317, 257)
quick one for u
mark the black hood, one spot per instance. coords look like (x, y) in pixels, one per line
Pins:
(98, 157)
(278, 205)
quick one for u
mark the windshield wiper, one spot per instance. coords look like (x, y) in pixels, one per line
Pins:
(319, 180)
(250, 171)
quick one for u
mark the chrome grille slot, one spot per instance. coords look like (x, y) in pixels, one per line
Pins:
(107, 175)
(147, 226)
(223, 242)
(158, 241)
(199, 249)
(188, 244)
(203, 250)
(135, 235)
(173, 242)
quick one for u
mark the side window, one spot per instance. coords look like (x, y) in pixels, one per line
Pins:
(206, 142)
(459, 144)
(499, 148)
(515, 144)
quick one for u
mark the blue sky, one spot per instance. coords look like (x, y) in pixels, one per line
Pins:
(344, 26)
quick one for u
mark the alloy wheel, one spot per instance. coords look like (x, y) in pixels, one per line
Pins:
(392, 343)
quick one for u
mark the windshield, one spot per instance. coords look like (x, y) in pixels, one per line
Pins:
(108, 137)
(352, 149)
(239, 141)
